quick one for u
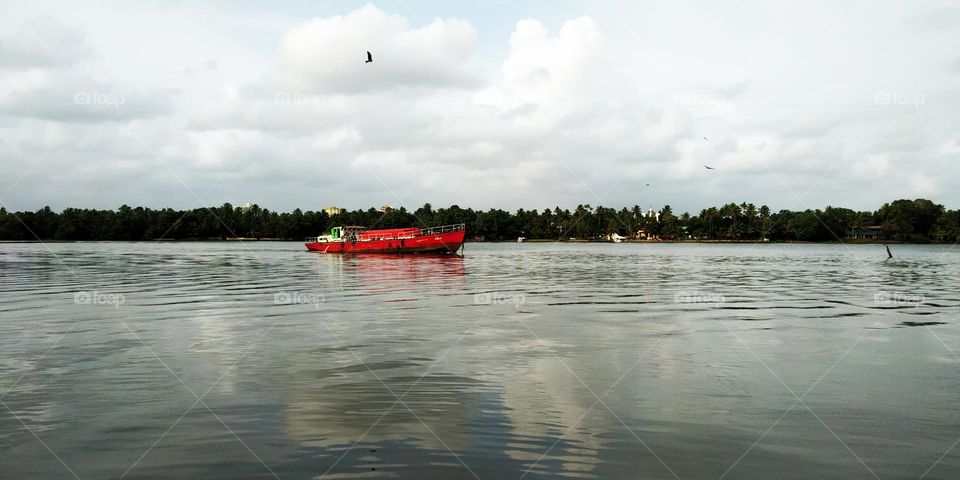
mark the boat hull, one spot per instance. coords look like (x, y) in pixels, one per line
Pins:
(439, 242)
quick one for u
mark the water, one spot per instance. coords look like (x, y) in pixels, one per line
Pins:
(261, 360)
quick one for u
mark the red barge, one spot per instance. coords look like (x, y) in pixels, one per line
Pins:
(446, 238)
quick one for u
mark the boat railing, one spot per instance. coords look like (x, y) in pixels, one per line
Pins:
(443, 229)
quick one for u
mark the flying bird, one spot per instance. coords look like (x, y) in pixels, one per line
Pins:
(369, 57)
(709, 167)
(705, 138)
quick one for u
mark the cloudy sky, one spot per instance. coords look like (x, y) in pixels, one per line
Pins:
(492, 103)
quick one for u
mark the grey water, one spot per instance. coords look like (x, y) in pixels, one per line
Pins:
(674, 361)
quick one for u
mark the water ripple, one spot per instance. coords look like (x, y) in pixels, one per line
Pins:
(555, 360)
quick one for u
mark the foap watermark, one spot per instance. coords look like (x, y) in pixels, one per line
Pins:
(500, 298)
(298, 298)
(99, 298)
(899, 98)
(99, 98)
(884, 297)
(296, 98)
(698, 297)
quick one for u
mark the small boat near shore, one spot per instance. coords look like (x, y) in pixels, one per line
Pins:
(354, 239)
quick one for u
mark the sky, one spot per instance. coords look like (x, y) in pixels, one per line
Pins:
(485, 104)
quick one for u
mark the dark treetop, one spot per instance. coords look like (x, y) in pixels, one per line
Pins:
(901, 220)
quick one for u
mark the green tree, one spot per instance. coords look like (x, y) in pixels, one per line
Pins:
(668, 224)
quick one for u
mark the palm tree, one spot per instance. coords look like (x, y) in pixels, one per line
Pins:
(765, 223)
(750, 217)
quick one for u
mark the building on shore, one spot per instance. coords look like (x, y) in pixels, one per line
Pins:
(873, 232)
(333, 210)
(643, 234)
(614, 237)
(384, 208)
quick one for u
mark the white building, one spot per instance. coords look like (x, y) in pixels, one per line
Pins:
(616, 237)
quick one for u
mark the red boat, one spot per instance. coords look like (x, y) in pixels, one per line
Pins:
(447, 238)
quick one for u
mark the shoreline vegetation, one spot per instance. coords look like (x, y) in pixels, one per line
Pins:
(900, 221)
(538, 240)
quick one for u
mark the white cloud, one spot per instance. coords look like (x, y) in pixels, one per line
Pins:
(68, 97)
(327, 55)
(872, 167)
(923, 185)
(40, 78)
(950, 147)
(41, 42)
(545, 78)
(282, 111)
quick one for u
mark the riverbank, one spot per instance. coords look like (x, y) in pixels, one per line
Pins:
(578, 240)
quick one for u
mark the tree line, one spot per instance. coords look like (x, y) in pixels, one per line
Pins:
(917, 221)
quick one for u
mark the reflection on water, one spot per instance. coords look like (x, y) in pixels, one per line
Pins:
(219, 360)
(383, 274)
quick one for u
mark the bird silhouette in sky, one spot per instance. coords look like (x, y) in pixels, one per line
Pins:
(705, 138)
(709, 167)
(369, 57)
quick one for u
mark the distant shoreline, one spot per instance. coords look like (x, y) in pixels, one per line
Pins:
(908, 221)
(642, 242)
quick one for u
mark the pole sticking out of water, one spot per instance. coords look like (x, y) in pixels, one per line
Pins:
(889, 255)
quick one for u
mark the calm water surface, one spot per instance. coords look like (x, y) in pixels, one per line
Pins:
(261, 360)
